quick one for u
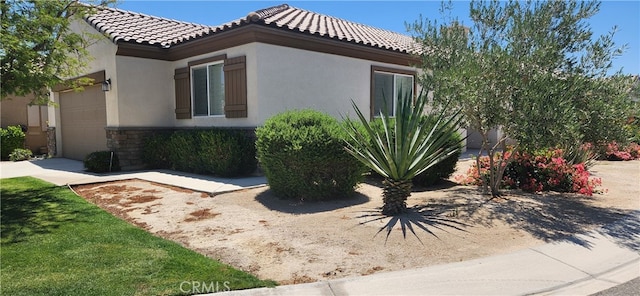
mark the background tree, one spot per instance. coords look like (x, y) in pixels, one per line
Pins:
(532, 69)
(39, 50)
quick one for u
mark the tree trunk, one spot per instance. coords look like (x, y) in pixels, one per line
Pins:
(395, 193)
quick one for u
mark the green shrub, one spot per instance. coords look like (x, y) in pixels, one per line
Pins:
(184, 152)
(222, 152)
(102, 162)
(155, 152)
(226, 153)
(633, 127)
(20, 154)
(439, 172)
(11, 139)
(443, 169)
(303, 157)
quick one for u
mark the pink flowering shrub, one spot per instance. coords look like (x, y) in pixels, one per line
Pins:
(545, 170)
(615, 152)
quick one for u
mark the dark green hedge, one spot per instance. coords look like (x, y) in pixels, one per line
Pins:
(221, 152)
(303, 157)
(102, 162)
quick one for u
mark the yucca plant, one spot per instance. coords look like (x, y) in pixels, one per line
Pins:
(402, 149)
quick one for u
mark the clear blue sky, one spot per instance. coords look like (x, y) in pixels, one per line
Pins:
(392, 15)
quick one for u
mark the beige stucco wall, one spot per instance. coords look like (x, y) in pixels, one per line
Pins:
(290, 79)
(14, 110)
(145, 92)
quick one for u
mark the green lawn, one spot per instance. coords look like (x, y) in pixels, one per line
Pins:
(56, 243)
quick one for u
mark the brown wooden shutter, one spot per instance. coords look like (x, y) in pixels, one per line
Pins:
(235, 87)
(183, 93)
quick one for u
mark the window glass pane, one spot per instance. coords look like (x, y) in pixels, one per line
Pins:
(383, 90)
(216, 90)
(404, 87)
(200, 104)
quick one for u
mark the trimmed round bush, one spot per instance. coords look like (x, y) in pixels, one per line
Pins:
(303, 157)
(101, 162)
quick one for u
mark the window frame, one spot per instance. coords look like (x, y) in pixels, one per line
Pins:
(394, 72)
(206, 62)
(193, 97)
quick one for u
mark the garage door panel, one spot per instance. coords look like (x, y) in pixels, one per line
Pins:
(83, 119)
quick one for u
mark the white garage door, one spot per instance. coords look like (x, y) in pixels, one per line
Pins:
(83, 117)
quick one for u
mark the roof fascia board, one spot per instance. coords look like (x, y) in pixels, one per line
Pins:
(97, 77)
(259, 33)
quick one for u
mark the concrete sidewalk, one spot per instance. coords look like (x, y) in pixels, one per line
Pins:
(610, 257)
(62, 171)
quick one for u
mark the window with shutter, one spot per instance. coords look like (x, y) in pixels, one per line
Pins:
(183, 93)
(210, 87)
(235, 87)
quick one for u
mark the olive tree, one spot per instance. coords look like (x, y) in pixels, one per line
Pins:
(532, 69)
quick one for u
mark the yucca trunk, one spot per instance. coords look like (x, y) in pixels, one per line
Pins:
(395, 193)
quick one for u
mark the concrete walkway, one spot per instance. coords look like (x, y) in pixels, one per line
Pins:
(611, 256)
(62, 171)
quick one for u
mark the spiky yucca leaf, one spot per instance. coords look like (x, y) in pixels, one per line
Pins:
(405, 147)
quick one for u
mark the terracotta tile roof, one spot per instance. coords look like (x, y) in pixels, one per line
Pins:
(127, 26)
(121, 25)
(300, 20)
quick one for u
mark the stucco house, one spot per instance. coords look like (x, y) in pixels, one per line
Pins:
(153, 73)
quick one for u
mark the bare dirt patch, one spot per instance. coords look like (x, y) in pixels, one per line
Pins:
(293, 242)
(200, 215)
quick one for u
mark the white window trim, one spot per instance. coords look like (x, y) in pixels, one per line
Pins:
(193, 98)
(395, 89)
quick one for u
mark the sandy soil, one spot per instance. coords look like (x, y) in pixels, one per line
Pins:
(293, 242)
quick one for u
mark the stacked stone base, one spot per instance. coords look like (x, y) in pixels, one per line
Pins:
(51, 142)
(128, 143)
